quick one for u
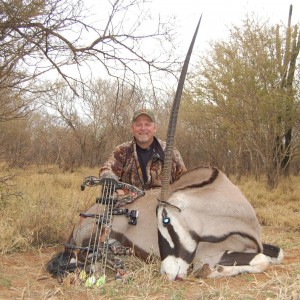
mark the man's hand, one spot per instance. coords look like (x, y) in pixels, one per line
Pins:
(126, 192)
(120, 192)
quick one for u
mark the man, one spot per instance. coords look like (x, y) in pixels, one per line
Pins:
(140, 161)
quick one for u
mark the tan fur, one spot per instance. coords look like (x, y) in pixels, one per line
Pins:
(210, 204)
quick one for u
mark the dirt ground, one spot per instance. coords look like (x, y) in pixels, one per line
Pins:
(23, 277)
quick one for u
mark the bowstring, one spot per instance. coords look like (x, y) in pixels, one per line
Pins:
(94, 243)
(107, 223)
(103, 221)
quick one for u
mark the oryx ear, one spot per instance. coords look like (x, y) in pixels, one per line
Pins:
(181, 205)
(178, 201)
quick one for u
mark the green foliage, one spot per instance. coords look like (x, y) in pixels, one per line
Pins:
(238, 103)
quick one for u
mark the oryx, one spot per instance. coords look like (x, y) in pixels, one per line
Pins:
(206, 222)
(202, 220)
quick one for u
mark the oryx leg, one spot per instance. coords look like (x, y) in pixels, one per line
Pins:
(117, 249)
(274, 253)
(234, 263)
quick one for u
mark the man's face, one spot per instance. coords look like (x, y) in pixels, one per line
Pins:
(143, 129)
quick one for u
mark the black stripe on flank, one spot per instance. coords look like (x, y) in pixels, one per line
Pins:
(218, 239)
(210, 180)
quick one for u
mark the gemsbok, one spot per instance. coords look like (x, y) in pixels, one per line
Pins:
(206, 223)
(201, 221)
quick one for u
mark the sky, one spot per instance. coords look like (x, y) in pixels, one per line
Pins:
(217, 15)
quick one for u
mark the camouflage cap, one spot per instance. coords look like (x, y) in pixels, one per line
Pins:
(144, 111)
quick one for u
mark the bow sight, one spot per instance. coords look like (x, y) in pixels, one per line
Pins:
(131, 214)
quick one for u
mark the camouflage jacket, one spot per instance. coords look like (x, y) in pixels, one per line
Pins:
(123, 165)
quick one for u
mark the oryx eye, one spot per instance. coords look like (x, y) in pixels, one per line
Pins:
(166, 221)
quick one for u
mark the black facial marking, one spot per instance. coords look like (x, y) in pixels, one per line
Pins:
(178, 251)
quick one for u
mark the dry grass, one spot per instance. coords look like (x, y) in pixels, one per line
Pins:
(144, 282)
(278, 208)
(40, 205)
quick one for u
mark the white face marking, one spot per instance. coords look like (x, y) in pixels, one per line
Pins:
(181, 228)
(174, 267)
(171, 265)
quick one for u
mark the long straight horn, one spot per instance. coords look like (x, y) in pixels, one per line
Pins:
(173, 122)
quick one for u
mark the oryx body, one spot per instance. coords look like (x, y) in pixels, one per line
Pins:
(142, 237)
(209, 223)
